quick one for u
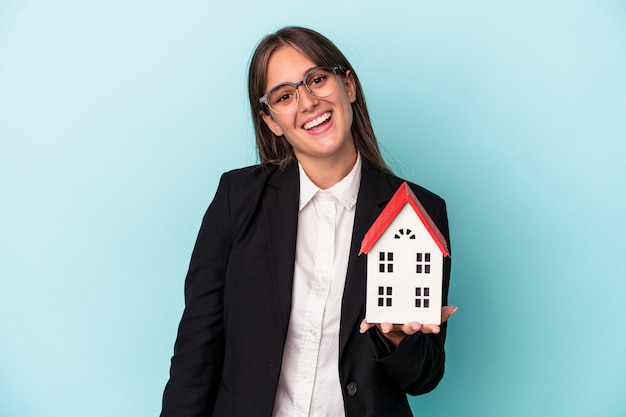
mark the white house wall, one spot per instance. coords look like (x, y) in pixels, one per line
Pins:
(404, 279)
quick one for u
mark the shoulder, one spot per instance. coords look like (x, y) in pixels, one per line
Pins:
(380, 188)
(238, 194)
(241, 191)
(393, 182)
(253, 180)
(250, 175)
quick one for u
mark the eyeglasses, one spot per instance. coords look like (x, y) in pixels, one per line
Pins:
(320, 82)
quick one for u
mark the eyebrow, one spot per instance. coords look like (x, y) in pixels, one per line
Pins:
(289, 82)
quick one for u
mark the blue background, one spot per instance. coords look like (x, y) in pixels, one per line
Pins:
(117, 118)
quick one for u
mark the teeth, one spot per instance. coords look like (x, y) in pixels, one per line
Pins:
(310, 125)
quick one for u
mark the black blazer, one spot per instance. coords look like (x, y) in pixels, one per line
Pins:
(228, 352)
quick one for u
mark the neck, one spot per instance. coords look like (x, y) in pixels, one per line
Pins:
(325, 172)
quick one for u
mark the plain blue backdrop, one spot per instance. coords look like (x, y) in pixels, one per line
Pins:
(117, 118)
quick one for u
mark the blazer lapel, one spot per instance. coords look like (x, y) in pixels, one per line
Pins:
(374, 193)
(280, 207)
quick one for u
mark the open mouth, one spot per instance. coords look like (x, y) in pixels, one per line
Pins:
(324, 118)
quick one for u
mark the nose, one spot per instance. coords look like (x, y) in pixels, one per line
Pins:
(306, 100)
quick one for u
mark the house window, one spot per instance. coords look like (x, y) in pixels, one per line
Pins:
(422, 265)
(384, 296)
(404, 233)
(422, 297)
(385, 263)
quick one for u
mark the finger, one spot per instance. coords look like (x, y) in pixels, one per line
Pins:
(447, 312)
(411, 328)
(386, 327)
(430, 328)
(365, 326)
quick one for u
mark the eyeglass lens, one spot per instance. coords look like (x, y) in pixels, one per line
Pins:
(321, 82)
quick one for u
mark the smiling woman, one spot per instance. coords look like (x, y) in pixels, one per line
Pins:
(275, 294)
(315, 48)
(317, 128)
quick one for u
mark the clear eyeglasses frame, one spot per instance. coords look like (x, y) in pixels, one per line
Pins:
(320, 82)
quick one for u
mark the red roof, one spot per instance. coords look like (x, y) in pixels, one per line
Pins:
(403, 196)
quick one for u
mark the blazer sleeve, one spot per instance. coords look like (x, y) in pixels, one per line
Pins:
(196, 365)
(417, 364)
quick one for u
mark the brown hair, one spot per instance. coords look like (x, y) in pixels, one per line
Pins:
(321, 51)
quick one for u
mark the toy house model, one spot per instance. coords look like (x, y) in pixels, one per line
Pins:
(405, 252)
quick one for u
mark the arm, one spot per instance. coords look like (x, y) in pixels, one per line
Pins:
(196, 366)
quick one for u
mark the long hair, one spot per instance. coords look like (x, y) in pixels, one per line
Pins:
(323, 52)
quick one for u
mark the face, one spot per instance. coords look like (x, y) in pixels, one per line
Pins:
(318, 129)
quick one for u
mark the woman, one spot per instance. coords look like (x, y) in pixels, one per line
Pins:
(275, 293)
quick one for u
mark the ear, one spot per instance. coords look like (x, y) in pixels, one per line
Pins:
(350, 86)
(271, 123)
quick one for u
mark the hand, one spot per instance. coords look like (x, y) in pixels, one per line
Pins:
(395, 333)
